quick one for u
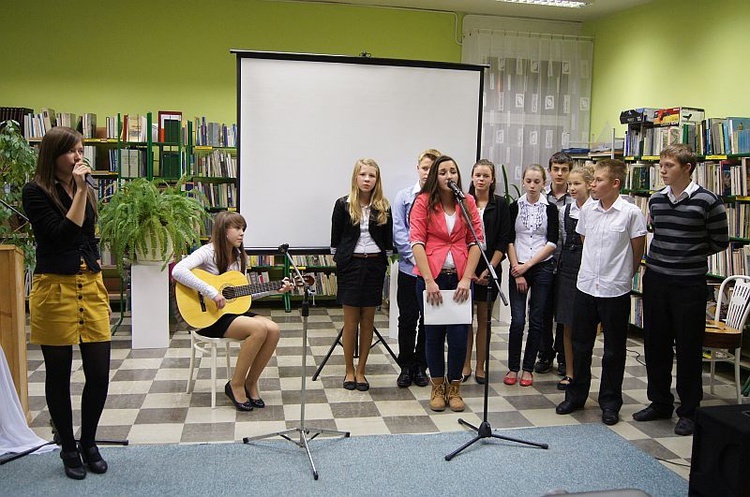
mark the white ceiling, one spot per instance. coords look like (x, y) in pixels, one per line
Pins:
(597, 9)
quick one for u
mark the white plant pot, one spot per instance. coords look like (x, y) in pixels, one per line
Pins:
(152, 254)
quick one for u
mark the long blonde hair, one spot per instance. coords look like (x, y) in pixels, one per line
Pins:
(377, 199)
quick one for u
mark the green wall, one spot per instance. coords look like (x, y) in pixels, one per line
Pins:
(137, 55)
(670, 53)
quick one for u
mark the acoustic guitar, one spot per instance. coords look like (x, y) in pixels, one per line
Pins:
(199, 311)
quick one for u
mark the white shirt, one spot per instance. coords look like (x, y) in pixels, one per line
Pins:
(692, 187)
(365, 243)
(531, 228)
(203, 258)
(607, 259)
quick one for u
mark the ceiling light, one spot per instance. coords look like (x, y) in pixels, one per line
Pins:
(573, 4)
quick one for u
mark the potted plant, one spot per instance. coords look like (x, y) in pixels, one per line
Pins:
(17, 165)
(150, 220)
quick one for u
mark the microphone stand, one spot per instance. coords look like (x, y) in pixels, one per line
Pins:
(484, 430)
(302, 430)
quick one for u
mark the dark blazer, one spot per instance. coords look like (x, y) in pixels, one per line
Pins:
(344, 234)
(496, 230)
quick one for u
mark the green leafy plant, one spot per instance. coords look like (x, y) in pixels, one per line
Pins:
(508, 194)
(17, 165)
(146, 213)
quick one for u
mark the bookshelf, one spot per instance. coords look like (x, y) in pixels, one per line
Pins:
(727, 175)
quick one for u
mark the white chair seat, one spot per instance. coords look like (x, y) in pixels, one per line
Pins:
(207, 345)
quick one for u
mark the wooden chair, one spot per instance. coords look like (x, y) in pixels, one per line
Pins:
(723, 339)
(207, 345)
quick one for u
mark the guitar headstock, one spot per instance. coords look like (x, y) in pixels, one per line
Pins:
(307, 279)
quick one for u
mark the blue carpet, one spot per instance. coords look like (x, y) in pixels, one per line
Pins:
(580, 458)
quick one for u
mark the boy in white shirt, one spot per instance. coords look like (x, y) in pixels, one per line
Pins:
(614, 235)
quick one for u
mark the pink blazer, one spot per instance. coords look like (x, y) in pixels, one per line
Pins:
(432, 232)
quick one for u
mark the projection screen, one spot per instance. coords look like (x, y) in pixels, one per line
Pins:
(305, 119)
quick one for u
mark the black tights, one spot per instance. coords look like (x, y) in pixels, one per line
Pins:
(58, 361)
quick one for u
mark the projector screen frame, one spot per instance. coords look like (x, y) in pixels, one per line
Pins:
(345, 59)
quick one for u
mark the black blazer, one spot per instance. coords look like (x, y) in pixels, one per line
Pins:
(496, 230)
(344, 234)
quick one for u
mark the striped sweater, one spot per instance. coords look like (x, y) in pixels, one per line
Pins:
(686, 233)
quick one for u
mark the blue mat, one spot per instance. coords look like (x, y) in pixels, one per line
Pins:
(580, 458)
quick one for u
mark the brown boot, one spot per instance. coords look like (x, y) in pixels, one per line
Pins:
(437, 396)
(455, 401)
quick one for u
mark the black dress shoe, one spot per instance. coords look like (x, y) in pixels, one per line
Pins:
(254, 402)
(543, 366)
(610, 417)
(93, 459)
(73, 466)
(349, 384)
(480, 379)
(651, 413)
(566, 407)
(404, 379)
(684, 427)
(240, 406)
(420, 377)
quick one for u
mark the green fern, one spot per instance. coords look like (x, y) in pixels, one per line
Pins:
(142, 213)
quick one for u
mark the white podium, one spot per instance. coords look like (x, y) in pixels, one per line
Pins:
(149, 298)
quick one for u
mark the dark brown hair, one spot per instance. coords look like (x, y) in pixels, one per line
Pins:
(224, 253)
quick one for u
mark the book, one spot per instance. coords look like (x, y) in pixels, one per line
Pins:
(170, 126)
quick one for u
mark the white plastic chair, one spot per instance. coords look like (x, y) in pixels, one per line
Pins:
(207, 345)
(725, 343)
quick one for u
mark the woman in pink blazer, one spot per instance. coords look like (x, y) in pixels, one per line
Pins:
(446, 255)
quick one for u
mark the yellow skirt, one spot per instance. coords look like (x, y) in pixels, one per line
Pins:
(69, 309)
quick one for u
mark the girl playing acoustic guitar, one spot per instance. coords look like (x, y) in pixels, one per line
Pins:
(225, 253)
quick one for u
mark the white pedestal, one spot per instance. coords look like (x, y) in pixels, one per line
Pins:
(150, 306)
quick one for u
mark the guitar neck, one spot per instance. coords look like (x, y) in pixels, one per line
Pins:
(255, 290)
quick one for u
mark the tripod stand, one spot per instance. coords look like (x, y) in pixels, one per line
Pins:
(337, 341)
(302, 430)
(484, 430)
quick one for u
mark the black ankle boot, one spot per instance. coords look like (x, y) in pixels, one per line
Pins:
(93, 459)
(73, 467)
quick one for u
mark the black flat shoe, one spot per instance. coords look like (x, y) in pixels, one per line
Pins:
(255, 402)
(480, 379)
(93, 459)
(420, 378)
(350, 384)
(73, 466)
(240, 406)
(363, 386)
(566, 407)
(465, 377)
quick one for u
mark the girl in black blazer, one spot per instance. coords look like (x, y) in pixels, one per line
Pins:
(361, 240)
(496, 223)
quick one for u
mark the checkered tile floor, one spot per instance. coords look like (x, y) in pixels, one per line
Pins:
(147, 403)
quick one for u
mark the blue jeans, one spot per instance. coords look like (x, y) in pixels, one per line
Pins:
(435, 336)
(539, 279)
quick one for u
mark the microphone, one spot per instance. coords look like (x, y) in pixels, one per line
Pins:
(456, 190)
(90, 181)
(283, 248)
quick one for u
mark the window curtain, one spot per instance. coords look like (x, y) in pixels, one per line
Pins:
(537, 94)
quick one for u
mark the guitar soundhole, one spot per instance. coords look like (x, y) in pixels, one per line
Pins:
(228, 293)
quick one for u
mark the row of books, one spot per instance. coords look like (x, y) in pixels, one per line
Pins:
(314, 260)
(734, 260)
(713, 136)
(211, 134)
(216, 195)
(738, 217)
(261, 260)
(217, 164)
(643, 176)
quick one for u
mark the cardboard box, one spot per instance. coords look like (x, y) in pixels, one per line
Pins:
(640, 115)
(679, 115)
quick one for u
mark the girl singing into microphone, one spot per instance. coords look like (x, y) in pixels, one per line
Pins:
(446, 255)
(69, 304)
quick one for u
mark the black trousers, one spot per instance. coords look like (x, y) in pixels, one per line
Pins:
(613, 314)
(674, 315)
(551, 342)
(411, 352)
